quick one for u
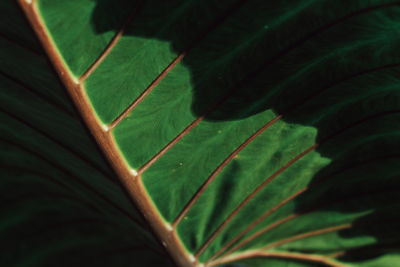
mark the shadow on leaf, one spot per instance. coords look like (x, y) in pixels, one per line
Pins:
(331, 65)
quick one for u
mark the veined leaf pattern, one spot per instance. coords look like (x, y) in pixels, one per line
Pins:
(243, 129)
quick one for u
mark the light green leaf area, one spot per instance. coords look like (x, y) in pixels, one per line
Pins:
(61, 204)
(278, 123)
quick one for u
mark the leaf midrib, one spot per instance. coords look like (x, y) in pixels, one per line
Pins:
(275, 58)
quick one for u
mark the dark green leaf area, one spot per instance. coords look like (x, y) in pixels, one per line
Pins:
(61, 204)
(313, 84)
(332, 66)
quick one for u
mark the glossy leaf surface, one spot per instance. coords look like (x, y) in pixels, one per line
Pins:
(255, 126)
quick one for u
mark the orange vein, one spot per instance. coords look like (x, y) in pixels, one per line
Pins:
(263, 231)
(308, 234)
(252, 137)
(177, 138)
(175, 62)
(287, 240)
(282, 221)
(28, 1)
(272, 226)
(221, 166)
(147, 91)
(278, 172)
(256, 222)
(267, 229)
(169, 145)
(252, 195)
(284, 202)
(111, 44)
(132, 183)
(326, 260)
(251, 75)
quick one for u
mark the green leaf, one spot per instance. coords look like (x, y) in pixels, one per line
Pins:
(61, 204)
(263, 131)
